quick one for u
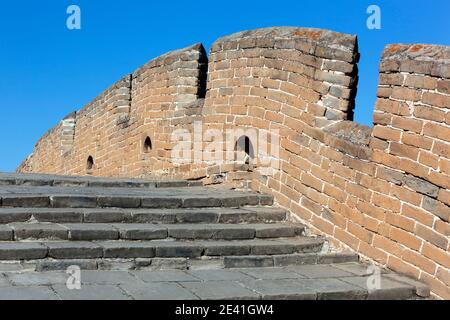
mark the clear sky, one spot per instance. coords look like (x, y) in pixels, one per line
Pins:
(47, 71)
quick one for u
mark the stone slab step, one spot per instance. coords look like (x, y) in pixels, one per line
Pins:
(146, 231)
(150, 249)
(249, 283)
(29, 179)
(284, 260)
(130, 215)
(175, 198)
(171, 263)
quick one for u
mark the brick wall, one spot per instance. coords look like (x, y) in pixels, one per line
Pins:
(112, 128)
(383, 192)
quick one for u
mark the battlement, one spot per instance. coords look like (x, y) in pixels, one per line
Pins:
(382, 192)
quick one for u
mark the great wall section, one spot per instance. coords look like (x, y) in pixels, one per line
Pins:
(381, 192)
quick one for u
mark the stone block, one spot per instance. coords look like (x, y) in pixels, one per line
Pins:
(74, 250)
(119, 202)
(73, 201)
(105, 215)
(294, 259)
(91, 231)
(22, 251)
(25, 201)
(53, 265)
(178, 249)
(24, 231)
(223, 248)
(6, 233)
(127, 249)
(141, 231)
(161, 203)
(151, 216)
(58, 215)
(8, 215)
(201, 202)
(248, 261)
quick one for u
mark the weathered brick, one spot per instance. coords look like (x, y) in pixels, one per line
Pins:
(421, 186)
(436, 254)
(391, 79)
(417, 214)
(400, 221)
(429, 113)
(382, 118)
(429, 159)
(416, 140)
(431, 236)
(423, 82)
(437, 131)
(392, 107)
(406, 94)
(390, 175)
(403, 267)
(420, 261)
(444, 196)
(405, 195)
(439, 179)
(359, 191)
(442, 149)
(371, 251)
(407, 124)
(437, 208)
(386, 133)
(405, 238)
(386, 202)
(443, 86)
(402, 150)
(437, 100)
(387, 245)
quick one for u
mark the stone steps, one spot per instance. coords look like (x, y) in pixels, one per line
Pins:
(146, 231)
(182, 263)
(126, 215)
(166, 200)
(27, 250)
(50, 223)
(283, 260)
(66, 181)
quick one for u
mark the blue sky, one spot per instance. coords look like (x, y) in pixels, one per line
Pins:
(47, 71)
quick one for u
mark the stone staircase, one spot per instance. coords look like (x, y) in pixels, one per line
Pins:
(48, 223)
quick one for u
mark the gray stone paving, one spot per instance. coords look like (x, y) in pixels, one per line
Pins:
(300, 282)
(141, 239)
